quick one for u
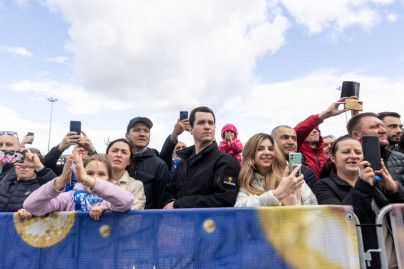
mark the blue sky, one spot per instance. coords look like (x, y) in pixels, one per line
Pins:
(257, 64)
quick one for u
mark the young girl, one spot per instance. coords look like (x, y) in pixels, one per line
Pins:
(264, 178)
(230, 143)
(93, 192)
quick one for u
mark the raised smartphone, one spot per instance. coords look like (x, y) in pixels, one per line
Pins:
(371, 151)
(294, 160)
(350, 88)
(183, 115)
(30, 134)
(12, 156)
(75, 126)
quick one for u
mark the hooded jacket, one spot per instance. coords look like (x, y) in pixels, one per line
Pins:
(206, 179)
(313, 157)
(153, 172)
(235, 147)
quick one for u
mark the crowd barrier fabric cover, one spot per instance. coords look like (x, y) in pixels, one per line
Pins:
(397, 223)
(267, 237)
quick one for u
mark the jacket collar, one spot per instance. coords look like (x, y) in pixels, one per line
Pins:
(190, 151)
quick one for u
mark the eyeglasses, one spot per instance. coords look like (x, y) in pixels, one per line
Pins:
(9, 133)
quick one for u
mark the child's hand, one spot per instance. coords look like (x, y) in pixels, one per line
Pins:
(80, 172)
(24, 214)
(96, 211)
(62, 180)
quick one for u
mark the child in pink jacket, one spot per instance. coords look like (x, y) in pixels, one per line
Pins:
(93, 191)
(230, 143)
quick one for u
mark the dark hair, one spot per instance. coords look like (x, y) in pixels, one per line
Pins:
(123, 140)
(329, 165)
(355, 120)
(401, 143)
(200, 109)
(382, 115)
(100, 158)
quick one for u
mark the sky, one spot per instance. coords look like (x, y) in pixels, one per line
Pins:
(257, 64)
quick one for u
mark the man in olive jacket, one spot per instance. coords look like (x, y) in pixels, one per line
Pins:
(206, 177)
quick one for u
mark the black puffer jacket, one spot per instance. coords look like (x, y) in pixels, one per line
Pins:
(333, 190)
(153, 172)
(394, 161)
(14, 192)
(208, 179)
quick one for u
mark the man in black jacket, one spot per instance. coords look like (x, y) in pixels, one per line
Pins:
(146, 165)
(206, 177)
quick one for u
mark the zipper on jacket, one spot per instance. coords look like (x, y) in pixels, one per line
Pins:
(318, 161)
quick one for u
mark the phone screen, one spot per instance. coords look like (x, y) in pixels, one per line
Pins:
(183, 115)
(75, 126)
(30, 134)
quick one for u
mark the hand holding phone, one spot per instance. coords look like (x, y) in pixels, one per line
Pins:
(295, 159)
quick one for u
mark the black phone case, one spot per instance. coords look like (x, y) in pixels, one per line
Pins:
(183, 115)
(75, 126)
(350, 88)
(371, 151)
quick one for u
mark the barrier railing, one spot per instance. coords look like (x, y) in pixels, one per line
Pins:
(267, 237)
(397, 229)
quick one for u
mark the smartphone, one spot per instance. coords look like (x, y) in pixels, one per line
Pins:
(30, 134)
(75, 126)
(371, 151)
(350, 88)
(294, 160)
(12, 156)
(183, 115)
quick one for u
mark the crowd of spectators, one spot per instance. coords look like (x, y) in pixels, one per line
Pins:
(132, 176)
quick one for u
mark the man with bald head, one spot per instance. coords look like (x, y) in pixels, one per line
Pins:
(368, 123)
(286, 139)
(8, 141)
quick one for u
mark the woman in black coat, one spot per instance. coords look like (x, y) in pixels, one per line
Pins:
(352, 182)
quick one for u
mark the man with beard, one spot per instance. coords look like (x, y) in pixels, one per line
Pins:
(369, 124)
(286, 140)
(393, 125)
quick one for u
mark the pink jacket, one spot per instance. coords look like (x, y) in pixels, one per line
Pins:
(233, 148)
(47, 199)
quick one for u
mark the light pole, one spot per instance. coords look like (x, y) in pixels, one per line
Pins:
(52, 100)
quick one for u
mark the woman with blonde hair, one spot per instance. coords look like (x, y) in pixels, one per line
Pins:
(264, 177)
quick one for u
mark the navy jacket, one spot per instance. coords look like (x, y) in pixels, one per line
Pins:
(153, 172)
(207, 179)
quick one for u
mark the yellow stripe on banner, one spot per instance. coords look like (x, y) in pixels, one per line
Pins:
(311, 236)
(44, 231)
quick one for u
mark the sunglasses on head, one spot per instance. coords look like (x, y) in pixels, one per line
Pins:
(8, 132)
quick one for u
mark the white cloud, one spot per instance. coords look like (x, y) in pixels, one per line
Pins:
(336, 16)
(78, 100)
(22, 3)
(60, 59)
(392, 17)
(169, 54)
(16, 51)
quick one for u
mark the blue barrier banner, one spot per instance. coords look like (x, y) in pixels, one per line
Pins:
(267, 237)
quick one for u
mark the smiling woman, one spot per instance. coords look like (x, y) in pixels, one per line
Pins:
(264, 177)
(119, 153)
(352, 182)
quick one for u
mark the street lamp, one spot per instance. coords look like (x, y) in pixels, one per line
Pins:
(52, 100)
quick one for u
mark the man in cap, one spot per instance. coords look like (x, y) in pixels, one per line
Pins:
(146, 165)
